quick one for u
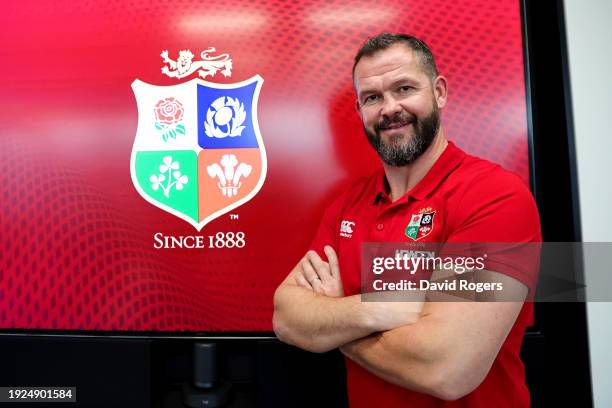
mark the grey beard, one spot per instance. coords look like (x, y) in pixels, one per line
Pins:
(399, 154)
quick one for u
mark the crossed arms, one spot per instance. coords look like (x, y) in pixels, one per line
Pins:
(440, 348)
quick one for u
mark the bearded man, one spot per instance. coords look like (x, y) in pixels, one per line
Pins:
(418, 353)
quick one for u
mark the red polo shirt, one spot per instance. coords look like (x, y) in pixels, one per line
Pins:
(461, 199)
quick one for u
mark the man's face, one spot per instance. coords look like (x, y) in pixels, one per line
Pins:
(397, 104)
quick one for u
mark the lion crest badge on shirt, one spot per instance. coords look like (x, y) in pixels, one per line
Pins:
(198, 151)
(421, 224)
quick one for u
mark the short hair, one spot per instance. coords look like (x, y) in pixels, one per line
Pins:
(385, 40)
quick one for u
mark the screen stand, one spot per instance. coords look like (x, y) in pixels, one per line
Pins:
(206, 390)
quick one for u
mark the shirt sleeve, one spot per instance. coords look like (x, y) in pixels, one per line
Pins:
(498, 217)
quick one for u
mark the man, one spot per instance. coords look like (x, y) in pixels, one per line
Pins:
(414, 354)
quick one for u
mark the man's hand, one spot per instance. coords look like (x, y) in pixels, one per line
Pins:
(324, 278)
(384, 312)
(312, 312)
(320, 276)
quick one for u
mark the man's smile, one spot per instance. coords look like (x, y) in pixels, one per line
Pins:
(395, 126)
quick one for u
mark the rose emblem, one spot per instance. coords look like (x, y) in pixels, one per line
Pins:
(168, 111)
(168, 117)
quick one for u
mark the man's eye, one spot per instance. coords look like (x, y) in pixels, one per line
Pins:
(405, 88)
(370, 99)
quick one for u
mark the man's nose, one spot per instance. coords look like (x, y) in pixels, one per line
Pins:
(390, 107)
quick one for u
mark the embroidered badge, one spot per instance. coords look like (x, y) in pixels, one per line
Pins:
(346, 228)
(421, 224)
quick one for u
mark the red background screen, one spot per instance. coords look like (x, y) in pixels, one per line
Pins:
(76, 239)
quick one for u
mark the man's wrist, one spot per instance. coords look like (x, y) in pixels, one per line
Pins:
(366, 315)
(359, 313)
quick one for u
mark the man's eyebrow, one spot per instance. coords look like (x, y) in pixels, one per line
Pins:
(365, 92)
(399, 81)
(403, 80)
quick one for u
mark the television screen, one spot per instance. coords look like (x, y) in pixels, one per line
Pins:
(164, 166)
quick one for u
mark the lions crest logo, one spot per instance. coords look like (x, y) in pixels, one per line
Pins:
(198, 151)
(421, 224)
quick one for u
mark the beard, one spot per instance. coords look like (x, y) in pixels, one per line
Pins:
(403, 149)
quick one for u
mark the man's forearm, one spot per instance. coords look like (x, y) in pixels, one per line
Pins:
(311, 311)
(429, 356)
(316, 322)
(399, 356)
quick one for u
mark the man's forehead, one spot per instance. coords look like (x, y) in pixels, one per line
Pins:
(387, 60)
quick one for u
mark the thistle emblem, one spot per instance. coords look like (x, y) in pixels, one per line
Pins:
(228, 112)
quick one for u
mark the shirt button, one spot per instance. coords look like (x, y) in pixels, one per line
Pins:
(380, 227)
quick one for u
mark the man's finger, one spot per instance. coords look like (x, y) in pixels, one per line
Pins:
(301, 281)
(332, 260)
(308, 271)
(317, 286)
(320, 266)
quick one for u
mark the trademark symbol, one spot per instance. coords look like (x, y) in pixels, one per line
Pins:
(234, 216)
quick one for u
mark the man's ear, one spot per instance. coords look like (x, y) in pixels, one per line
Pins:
(440, 88)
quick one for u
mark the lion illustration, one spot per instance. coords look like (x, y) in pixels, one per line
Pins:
(185, 66)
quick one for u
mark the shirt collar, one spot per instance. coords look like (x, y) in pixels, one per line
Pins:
(450, 158)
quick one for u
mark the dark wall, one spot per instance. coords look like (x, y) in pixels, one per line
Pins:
(555, 351)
